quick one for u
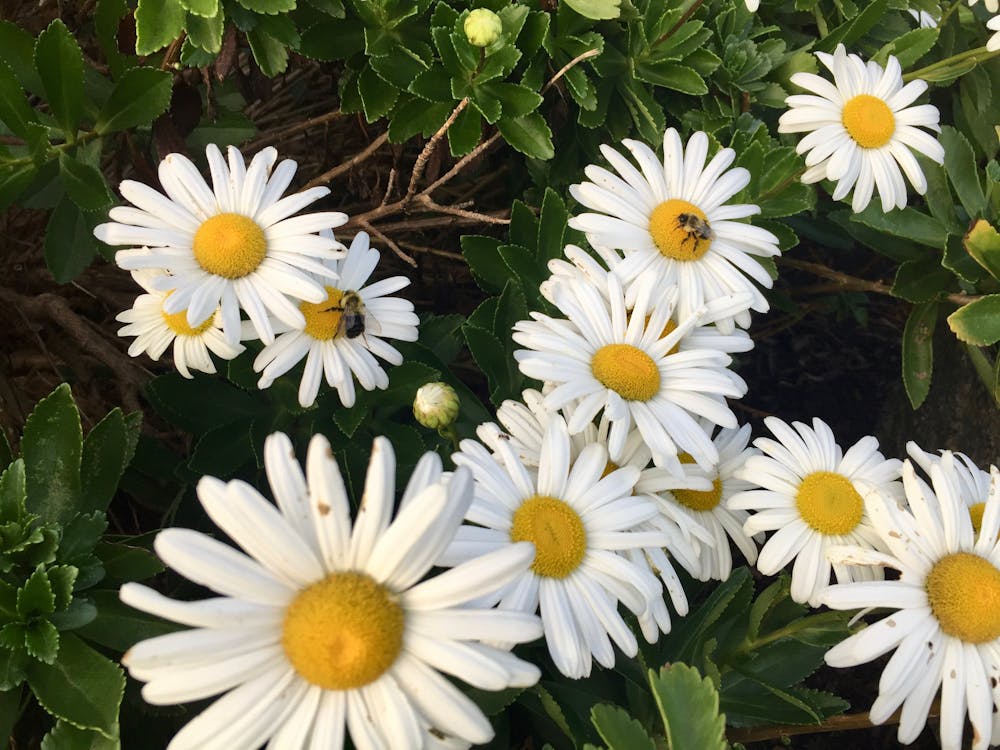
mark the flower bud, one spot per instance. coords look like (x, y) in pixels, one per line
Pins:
(435, 405)
(482, 27)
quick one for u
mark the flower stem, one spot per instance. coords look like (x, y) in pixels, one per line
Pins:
(977, 56)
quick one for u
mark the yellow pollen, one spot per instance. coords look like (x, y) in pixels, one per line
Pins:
(229, 245)
(608, 468)
(964, 593)
(343, 632)
(627, 370)
(670, 235)
(868, 120)
(323, 318)
(556, 531)
(976, 514)
(177, 322)
(669, 328)
(829, 503)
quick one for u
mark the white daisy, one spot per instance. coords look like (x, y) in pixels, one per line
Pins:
(673, 224)
(608, 359)
(579, 521)
(752, 5)
(812, 494)
(974, 483)
(332, 349)
(862, 129)
(946, 632)
(232, 246)
(925, 19)
(583, 267)
(994, 42)
(708, 509)
(155, 329)
(319, 627)
(991, 5)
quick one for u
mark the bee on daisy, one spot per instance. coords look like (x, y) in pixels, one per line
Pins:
(234, 246)
(155, 330)
(945, 630)
(341, 335)
(863, 129)
(811, 494)
(323, 629)
(672, 221)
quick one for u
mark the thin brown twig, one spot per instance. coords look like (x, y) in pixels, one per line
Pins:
(389, 243)
(346, 166)
(461, 164)
(282, 133)
(427, 201)
(852, 283)
(425, 154)
(566, 68)
(172, 53)
(842, 723)
(433, 251)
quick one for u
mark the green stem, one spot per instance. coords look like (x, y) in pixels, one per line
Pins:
(690, 11)
(88, 136)
(977, 55)
(450, 433)
(947, 14)
(821, 23)
(790, 629)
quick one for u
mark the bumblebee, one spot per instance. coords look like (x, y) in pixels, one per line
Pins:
(696, 227)
(353, 316)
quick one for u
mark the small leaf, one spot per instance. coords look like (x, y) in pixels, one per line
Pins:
(465, 132)
(82, 687)
(907, 223)
(982, 242)
(620, 730)
(271, 55)
(51, 446)
(140, 96)
(529, 134)
(105, 453)
(13, 491)
(960, 164)
(270, 7)
(918, 352)
(206, 33)
(921, 280)
(119, 627)
(157, 24)
(41, 640)
(598, 10)
(689, 707)
(35, 597)
(67, 737)
(84, 184)
(15, 112)
(69, 242)
(978, 322)
(59, 63)
(203, 8)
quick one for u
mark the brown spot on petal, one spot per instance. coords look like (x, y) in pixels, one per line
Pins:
(323, 509)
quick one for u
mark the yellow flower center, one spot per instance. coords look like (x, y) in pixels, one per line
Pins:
(177, 322)
(229, 245)
(679, 230)
(699, 500)
(964, 593)
(343, 632)
(976, 514)
(627, 370)
(868, 120)
(669, 328)
(829, 503)
(323, 318)
(556, 531)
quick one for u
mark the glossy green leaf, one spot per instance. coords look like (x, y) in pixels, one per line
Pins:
(960, 164)
(119, 627)
(619, 730)
(978, 322)
(599, 10)
(41, 641)
(270, 7)
(35, 597)
(84, 184)
(82, 687)
(157, 24)
(983, 243)
(13, 492)
(105, 456)
(17, 49)
(51, 446)
(204, 8)
(689, 707)
(15, 112)
(69, 242)
(530, 135)
(918, 352)
(67, 737)
(59, 63)
(377, 95)
(271, 55)
(922, 280)
(908, 223)
(140, 96)
(466, 132)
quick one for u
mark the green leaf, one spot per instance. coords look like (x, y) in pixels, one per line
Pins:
(10, 708)
(599, 10)
(620, 730)
(751, 702)
(203, 8)
(377, 95)
(59, 63)
(17, 49)
(978, 322)
(67, 737)
(13, 492)
(51, 446)
(84, 184)
(206, 33)
(15, 112)
(689, 706)
(552, 227)
(529, 134)
(921, 280)
(271, 55)
(988, 373)
(157, 24)
(853, 29)
(982, 242)
(483, 257)
(219, 403)
(82, 688)
(222, 451)
(105, 456)
(672, 75)
(270, 7)
(465, 132)
(909, 47)
(124, 562)
(960, 164)
(418, 116)
(515, 100)
(35, 597)
(41, 641)
(140, 96)
(907, 223)
(69, 241)
(119, 627)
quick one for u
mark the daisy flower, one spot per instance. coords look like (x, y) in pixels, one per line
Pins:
(155, 329)
(974, 483)
(812, 494)
(923, 18)
(708, 509)
(991, 5)
(329, 345)
(584, 268)
(862, 129)
(993, 25)
(946, 630)
(605, 359)
(321, 630)
(672, 222)
(579, 519)
(235, 245)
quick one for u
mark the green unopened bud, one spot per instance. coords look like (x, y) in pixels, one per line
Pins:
(482, 27)
(435, 405)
